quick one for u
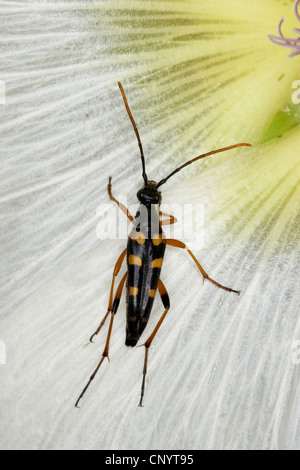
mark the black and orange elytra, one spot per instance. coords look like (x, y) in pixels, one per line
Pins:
(144, 260)
(145, 254)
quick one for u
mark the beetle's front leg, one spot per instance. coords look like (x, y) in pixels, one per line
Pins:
(121, 206)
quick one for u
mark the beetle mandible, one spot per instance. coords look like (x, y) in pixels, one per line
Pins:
(145, 253)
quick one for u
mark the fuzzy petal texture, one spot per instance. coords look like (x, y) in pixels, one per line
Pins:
(223, 369)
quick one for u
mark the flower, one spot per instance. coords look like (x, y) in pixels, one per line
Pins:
(198, 75)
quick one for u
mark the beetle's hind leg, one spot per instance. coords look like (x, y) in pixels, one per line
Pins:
(166, 302)
(110, 303)
(106, 349)
(179, 244)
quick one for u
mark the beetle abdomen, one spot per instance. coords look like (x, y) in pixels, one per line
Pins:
(144, 260)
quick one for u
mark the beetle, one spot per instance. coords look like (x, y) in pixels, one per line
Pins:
(145, 254)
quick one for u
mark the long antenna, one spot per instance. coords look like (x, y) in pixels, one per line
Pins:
(199, 157)
(136, 132)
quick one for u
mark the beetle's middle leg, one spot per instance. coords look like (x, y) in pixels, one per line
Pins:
(114, 310)
(166, 302)
(179, 244)
(110, 303)
(170, 221)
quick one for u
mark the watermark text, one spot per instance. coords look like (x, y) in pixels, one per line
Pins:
(179, 221)
(2, 353)
(2, 92)
(296, 353)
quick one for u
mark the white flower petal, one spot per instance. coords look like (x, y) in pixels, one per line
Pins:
(221, 371)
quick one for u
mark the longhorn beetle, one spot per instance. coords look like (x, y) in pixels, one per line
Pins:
(145, 253)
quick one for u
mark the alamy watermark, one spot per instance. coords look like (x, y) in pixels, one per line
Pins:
(2, 353)
(189, 225)
(296, 94)
(2, 92)
(296, 353)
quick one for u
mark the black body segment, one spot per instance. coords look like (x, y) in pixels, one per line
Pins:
(145, 252)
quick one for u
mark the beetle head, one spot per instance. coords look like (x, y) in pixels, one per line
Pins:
(149, 194)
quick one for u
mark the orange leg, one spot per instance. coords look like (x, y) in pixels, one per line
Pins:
(172, 220)
(166, 302)
(110, 303)
(106, 349)
(112, 198)
(179, 244)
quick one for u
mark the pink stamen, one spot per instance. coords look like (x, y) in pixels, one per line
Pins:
(281, 40)
(296, 10)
